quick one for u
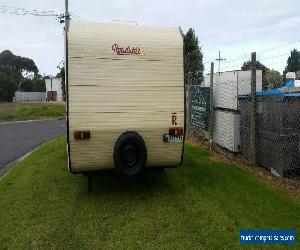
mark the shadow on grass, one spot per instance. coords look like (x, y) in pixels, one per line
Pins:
(112, 184)
(172, 182)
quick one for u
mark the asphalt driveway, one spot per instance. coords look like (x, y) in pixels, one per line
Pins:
(18, 138)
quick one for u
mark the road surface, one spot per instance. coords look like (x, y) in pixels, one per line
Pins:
(18, 138)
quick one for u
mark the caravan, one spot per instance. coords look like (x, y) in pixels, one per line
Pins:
(125, 97)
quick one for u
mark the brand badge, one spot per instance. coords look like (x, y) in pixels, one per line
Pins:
(122, 51)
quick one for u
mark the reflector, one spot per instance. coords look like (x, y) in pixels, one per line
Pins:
(82, 135)
(176, 131)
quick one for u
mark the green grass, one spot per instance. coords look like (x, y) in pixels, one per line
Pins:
(30, 111)
(202, 204)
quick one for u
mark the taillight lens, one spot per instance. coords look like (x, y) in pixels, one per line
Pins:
(176, 131)
(82, 134)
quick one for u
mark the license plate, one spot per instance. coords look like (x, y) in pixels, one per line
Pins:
(173, 138)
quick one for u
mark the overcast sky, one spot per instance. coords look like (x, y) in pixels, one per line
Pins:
(235, 27)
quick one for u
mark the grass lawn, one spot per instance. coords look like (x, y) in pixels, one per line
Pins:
(30, 111)
(202, 204)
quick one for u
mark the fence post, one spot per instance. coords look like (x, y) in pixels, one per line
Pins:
(253, 108)
(211, 106)
(187, 110)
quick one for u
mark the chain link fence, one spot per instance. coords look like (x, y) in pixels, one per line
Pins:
(258, 127)
(277, 144)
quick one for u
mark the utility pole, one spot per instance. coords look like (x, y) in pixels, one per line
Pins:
(220, 59)
(67, 17)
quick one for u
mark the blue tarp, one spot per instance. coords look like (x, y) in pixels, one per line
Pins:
(277, 92)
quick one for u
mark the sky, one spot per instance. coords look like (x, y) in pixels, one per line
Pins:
(234, 27)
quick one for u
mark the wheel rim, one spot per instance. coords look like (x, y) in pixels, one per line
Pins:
(130, 156)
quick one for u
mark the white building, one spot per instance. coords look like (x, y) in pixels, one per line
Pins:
(54, 89)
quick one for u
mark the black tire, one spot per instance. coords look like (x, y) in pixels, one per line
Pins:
(130, 154)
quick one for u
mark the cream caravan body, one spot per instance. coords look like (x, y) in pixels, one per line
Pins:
(123, 78)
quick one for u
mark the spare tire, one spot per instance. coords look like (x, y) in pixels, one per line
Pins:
(130, 154)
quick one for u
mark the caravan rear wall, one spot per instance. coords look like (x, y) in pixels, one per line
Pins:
(124, 78)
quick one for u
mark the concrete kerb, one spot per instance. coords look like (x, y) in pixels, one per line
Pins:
(37, 120)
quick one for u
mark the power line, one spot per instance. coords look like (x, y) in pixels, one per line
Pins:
(262, 59)
(261, 51)
(22, 11)
(41, 13)
(272, 57)
(277, 47)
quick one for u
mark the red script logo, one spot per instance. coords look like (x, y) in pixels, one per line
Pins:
(126, 51)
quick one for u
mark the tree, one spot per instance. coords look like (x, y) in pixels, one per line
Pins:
(259, 66)
(7, 88)
(15, 72)
(18, 68)
(192, 58)
(293, 62)
(35, 85)
(273, 79)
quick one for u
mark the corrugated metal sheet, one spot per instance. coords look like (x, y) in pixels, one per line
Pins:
(29, 96)
(229, 85)
(54, 84)
(227, 130)
(225, 90)
(244, 82)
(111, 94)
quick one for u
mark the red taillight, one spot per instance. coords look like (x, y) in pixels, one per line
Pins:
(82, 135)
(175, 131)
